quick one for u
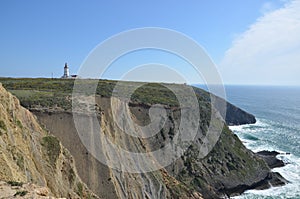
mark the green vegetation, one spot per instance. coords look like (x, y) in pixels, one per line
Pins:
(2, 125)
(14, 183)
(239, 161)
(52, 147)
(80, 189)
(53, 93)
(229, 158)
(71, 176)
(21, 193)
(19, 159)
(19, 124)
(20, 162)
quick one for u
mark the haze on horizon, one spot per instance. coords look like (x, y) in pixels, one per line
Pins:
(251, 42)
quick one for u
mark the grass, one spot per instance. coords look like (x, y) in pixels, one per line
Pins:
(71, 176)
(36, 98)
(43, 92)
(19, 124)
(52, 147)
(80, 189)
(20, 161)
(2, 125)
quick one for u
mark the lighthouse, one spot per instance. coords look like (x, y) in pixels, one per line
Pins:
(66, 71)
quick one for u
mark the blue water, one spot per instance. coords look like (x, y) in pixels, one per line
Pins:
(277, 110)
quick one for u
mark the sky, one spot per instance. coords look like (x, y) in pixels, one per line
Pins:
(253, 42)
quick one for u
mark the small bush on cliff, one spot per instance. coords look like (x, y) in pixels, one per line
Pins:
(80, 189)
(52, 147)
(2, 125)
(21, 193)
(14, 183)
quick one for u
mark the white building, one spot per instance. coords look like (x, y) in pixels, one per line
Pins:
(66, 71)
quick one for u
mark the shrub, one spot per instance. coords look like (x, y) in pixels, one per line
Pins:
(52, 147)
(21, 193)
(79, 189)
(14, 183)
(2, 125)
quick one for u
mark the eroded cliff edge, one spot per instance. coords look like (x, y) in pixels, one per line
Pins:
(28, 154)
(228, 169)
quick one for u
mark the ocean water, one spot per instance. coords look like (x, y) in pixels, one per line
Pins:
(277, 110)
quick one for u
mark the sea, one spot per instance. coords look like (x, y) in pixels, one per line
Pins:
(277, 110)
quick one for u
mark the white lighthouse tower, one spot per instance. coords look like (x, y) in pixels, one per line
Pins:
(66, 71)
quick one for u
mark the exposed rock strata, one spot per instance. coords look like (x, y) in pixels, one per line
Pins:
(229, 169)
(29, 155)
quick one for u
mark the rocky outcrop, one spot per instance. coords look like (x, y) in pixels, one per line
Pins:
(229, 169)
(234, 115)
(28, 154)
(271, 159)
(10, 190)
(237, 116)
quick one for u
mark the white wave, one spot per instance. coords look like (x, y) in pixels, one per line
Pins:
(260, 123)
(291, 171)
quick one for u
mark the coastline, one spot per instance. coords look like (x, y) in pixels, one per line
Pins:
(277, 161)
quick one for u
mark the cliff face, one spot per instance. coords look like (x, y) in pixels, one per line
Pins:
(228, 169)
(112, 183)
(234, 115)
(30, 155)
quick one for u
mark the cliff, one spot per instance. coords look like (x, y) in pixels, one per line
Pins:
(56, 93)
(228, 169)
(234, 115)
(28, 154)
(103, 180)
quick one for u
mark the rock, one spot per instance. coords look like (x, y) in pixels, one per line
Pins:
(237, 116)
(266, 179)
(31, 156)
(272, 179)
(270, 158)
(268, 153)
(234, 114)
(42, 191)
(28, 190)
(277, 180)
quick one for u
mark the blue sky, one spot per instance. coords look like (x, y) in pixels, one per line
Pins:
(251, 41)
